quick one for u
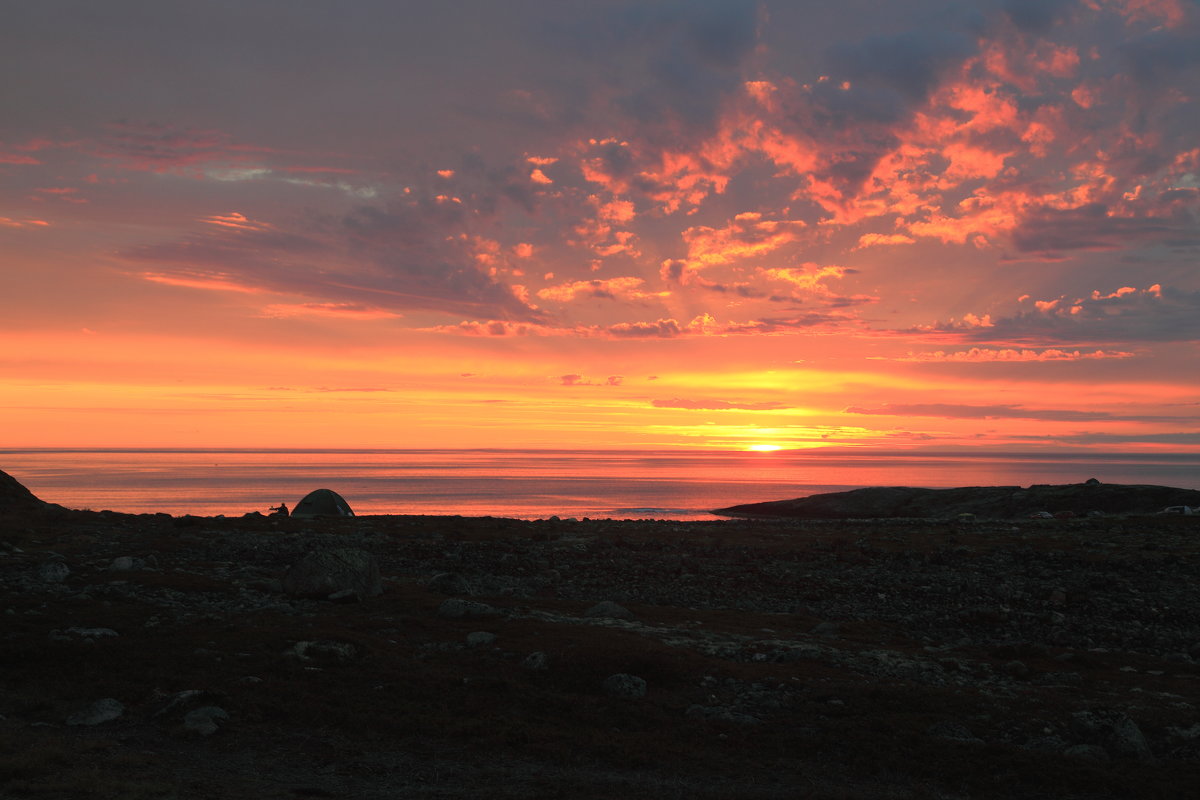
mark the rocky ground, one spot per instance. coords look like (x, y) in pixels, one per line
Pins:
(159, 657)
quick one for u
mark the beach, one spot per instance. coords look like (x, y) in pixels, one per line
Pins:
(161, 656)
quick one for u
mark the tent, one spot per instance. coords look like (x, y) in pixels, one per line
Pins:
(322, 503)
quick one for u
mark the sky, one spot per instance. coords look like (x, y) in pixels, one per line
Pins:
(912, 225)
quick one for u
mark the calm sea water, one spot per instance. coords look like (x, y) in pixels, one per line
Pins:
(533, 484)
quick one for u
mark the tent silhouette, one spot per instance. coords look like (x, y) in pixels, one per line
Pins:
(323, 503)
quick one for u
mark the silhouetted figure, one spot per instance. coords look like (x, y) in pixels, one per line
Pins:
(282, 511)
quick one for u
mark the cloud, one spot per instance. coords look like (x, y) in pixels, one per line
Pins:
(716, 405)
(579, 380)
(411, 255)
(959, 411)
(1154, 314)
(357, 311)
(1088, 438)
(9, 222)
(910, 63)
(666, 65)
(1095, 227)
(159, 147)
(980, 355)
(628, 288)
(1037, 16)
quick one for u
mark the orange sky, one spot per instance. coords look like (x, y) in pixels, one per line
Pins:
(662, 225)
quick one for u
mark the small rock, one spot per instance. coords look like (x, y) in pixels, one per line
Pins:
(480, 638)
(126, 563)
(624, 685)
(53, 572)
(204, 720)
(826, 629)
(607, 609)
(457, 608)
(98, 712)
(325, 651)
(536, 661)
(721, 714)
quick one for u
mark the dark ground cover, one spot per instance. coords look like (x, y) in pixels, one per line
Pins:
(781, 658)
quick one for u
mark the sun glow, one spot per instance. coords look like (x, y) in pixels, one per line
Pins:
(764, 448)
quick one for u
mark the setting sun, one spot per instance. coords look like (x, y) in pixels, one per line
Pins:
(764, 448)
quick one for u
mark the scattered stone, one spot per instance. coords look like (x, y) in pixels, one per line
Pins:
(624, 685)
(53, 572)
(457, 608)
(721, 714)
(480, 638)
(205, 720)
(325, 651)
(127, 563)
(89, 635)
(322, 573)
(99, 712)
(607, 609)
(536, 661)
(826, 629)
(450, 583)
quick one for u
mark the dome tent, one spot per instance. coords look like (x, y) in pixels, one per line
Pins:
(323, 503)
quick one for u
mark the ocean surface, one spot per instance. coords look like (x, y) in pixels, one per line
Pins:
(533, 484)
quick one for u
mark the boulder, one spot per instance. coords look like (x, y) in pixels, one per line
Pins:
(205, 720)
(322, 573)
(607, 609)
(625, 685)
(1114, 731)
(450, 583)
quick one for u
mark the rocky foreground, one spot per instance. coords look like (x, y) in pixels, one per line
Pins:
(381, 657)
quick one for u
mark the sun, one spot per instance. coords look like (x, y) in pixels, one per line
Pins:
(764, 448)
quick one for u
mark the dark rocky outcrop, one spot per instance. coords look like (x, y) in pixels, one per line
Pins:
(993, 502)
(15, 497)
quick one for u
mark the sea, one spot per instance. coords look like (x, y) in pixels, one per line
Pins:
(536, 484)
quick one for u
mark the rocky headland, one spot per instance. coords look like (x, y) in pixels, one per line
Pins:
(990, 502)
(942, 656)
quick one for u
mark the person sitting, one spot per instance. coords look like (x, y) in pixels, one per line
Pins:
(282, 511)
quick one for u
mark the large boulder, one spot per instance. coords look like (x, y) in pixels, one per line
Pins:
(340, 571)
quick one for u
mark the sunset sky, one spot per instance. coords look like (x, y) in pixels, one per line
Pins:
(601, 224)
